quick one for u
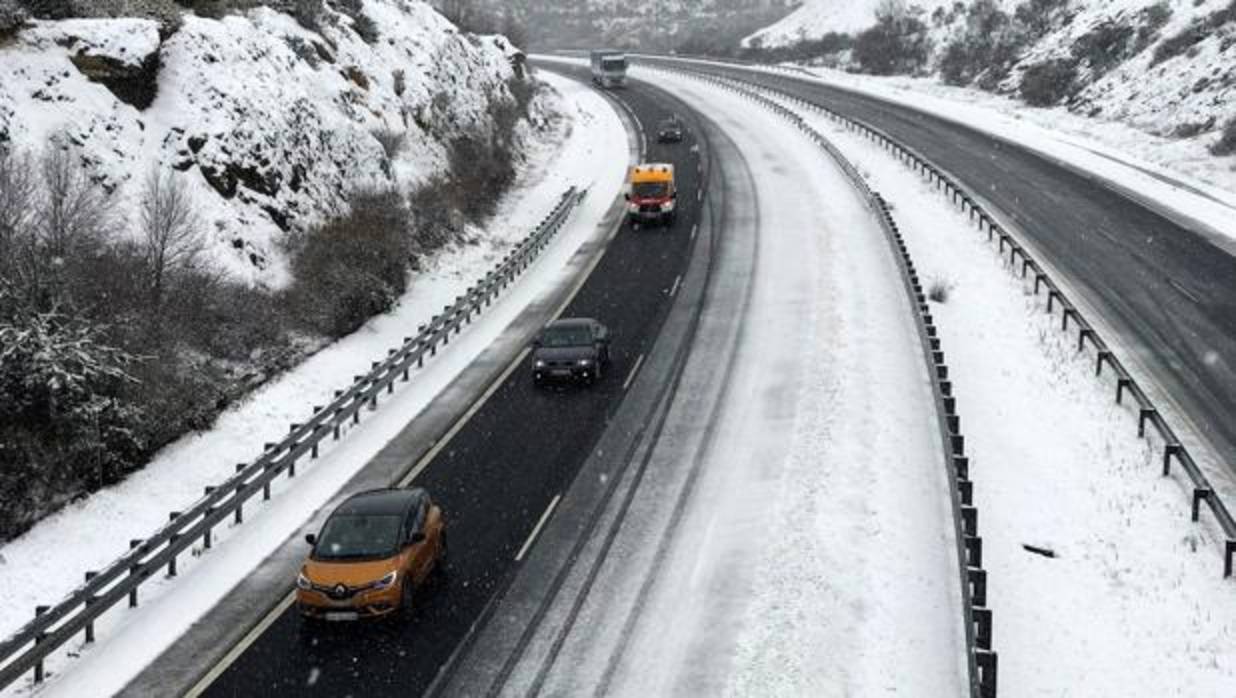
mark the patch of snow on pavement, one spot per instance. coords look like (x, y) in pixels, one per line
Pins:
(816, 554)
(43, 565)
(1134, 602)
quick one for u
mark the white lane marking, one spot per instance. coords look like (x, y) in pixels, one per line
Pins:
(1180, 287)
(634, 369)
(536, 531)
(233, 654)
(260, 629)
(694, 229)
(677, 283)
(700, 195)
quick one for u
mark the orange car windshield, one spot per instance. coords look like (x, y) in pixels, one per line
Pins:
(357, 536)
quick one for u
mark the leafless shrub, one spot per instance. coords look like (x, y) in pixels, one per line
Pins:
(171, 235)
(939, 290)
(75, 210)
(309, 14)
(12, 19)
(400, 81)
(392, 141)
(353, 267)
(17, 206)
(1226, 145)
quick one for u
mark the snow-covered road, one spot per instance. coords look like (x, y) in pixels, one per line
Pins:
(1133, 602)
(795, 539)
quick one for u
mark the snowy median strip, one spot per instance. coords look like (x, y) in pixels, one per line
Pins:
(28, 566)
(981, 657)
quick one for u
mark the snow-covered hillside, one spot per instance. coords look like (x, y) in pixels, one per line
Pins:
(270, 123)
(818, 17)
(1167, 67)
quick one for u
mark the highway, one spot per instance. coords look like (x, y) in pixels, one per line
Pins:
(498, 475)
(1166, 290)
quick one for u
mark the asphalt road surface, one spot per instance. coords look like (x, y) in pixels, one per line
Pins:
(497, 476)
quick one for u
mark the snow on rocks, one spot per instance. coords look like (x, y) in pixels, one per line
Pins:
(1182, 96)
(270, 123)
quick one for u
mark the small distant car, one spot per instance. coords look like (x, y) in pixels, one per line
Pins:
(671, 130)
(371, 555)
(571, 349)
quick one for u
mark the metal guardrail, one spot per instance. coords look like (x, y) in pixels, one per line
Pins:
(982, 660)
(55, 626)
(963, 198)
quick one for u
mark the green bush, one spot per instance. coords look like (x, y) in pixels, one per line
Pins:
(1046, 84)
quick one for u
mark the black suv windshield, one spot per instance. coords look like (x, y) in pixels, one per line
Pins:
(566, 337)
(648, 190)
(358, 536)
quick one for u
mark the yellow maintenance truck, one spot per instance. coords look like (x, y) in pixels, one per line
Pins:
(652, 196)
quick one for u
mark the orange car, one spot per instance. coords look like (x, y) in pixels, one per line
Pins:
(371, 554)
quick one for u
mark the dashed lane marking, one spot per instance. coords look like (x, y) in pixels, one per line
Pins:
(536, 531)
(634, 370)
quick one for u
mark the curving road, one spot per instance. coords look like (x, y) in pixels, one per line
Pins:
(1166, 290)
(497, 476)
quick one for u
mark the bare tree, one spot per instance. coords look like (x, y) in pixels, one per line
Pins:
(171, 234)
(17, 205)
(75, 211)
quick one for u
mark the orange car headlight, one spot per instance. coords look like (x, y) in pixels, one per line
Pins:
(302, 582)
(387, 581)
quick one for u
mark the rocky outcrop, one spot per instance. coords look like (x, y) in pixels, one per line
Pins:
(270, 123)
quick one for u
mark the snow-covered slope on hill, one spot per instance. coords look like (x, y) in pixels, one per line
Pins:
(271, 124)
(1166, 67)
(818, 17)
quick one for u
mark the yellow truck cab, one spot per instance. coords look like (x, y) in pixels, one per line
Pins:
(652, 196)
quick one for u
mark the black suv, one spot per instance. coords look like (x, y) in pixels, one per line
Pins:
(571, 349)
(670, 130)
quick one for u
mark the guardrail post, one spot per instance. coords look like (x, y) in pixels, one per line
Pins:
(134, 570)
(978, 585)
(1200, 494)
(1169, 451)
(969, 521)
(1144, 414)
(239, 512)
(1104, 355)
(206, 537)
(987, 665)
(171, 540)
(974, 550)
(1121, 385)
(38, 639)
(1230, 553)
(90, 600)
(982, 623)
(1039, 278)
(1081, 337)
